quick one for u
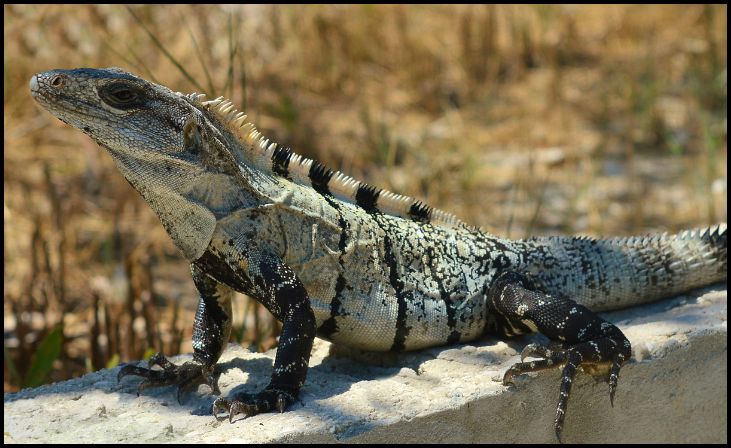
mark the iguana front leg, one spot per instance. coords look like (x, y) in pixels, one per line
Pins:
(581, 338)
(211, 331)
(276, 286)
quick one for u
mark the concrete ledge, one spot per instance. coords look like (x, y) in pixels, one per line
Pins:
(674, 389)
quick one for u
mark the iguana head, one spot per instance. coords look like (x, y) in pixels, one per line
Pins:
(119, 110)
(195, 161)
(153, 134)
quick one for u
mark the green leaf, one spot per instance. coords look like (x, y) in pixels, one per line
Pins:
(48, 351)
(14, 376)
(113, 361)
(148, 353)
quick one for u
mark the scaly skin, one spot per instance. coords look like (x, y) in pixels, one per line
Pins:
(354, 264)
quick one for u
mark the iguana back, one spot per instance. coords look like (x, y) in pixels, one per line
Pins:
(358, 265)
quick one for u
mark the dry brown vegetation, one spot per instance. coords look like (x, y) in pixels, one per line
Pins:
(521, 119)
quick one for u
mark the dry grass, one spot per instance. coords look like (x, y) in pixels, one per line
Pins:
(521, 119)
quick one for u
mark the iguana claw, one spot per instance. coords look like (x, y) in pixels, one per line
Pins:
(185, 376)
(270, 399)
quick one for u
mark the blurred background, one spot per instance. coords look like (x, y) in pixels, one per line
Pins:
(524, 120)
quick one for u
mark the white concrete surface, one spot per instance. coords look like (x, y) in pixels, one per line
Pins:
(674, 389)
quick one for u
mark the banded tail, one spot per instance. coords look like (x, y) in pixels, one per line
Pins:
(614, 273)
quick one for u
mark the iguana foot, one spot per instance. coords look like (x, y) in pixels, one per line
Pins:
(185, 376)
(595, 357)
(553, 356)
(270, 399)
(580, 338)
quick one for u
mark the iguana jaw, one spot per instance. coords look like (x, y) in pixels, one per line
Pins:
(147, 147)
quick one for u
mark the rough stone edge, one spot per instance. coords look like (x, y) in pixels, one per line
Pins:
(673, 390)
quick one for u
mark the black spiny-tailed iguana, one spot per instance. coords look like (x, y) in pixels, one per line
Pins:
(337, 258)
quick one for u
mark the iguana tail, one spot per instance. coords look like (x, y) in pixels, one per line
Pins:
(613, 273)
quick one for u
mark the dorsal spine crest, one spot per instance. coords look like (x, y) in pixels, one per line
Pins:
(282, 161)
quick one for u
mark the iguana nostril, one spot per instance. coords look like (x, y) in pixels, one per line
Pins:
(57, 81)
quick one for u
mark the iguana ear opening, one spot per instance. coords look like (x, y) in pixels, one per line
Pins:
(192, 139)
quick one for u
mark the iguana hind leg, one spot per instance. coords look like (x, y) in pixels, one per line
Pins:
(586, 340)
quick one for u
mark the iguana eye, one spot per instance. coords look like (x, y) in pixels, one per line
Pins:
(123, 95)
(120, 95)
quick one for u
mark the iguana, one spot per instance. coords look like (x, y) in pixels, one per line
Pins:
(337, 258)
